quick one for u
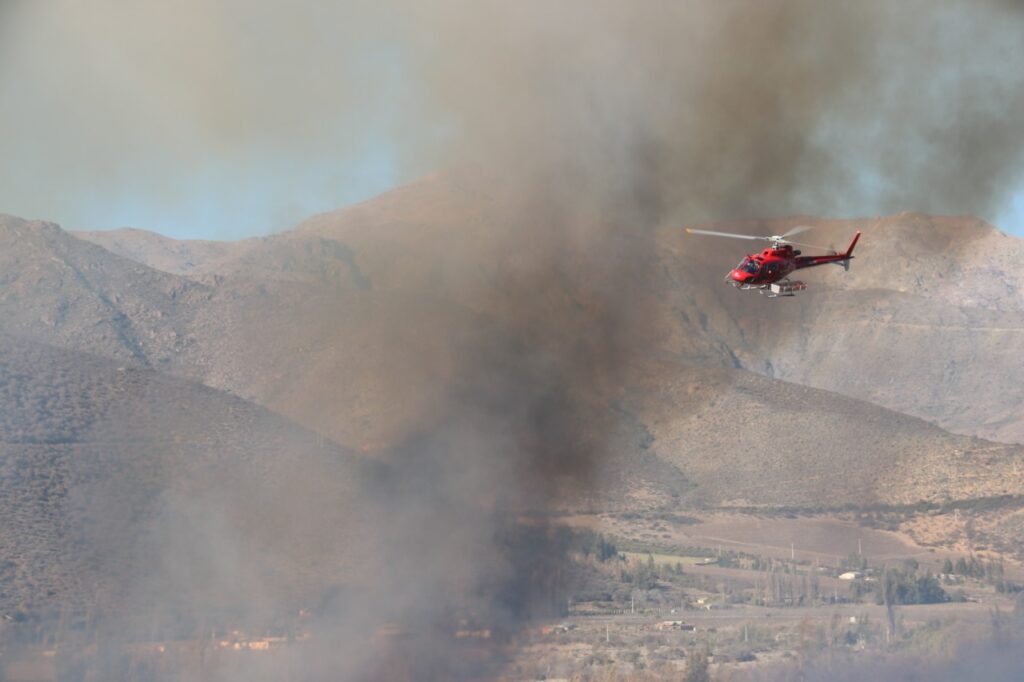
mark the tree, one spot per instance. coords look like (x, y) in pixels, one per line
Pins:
(587, 540)
(606, 549)
(947, 567)
(907, 587)
(647, 574)
(928, 590)
(697, 666)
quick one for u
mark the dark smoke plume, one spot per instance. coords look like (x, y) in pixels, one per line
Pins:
(524, 432)
(699, 110)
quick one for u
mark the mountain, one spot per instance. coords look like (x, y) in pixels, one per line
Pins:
(361, 322)
(125, 487)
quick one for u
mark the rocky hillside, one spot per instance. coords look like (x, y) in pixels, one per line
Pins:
(124, 487)
(359, 324)
(746, 440)
(70, 293)
(929, 319)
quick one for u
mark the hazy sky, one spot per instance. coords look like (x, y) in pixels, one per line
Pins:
(224, 119)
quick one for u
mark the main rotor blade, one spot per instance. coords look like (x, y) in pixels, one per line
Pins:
(725, 234)
(797, 230)
(812, 246)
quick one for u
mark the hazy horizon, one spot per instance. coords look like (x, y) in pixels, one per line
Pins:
(186, 233)
(233, 120)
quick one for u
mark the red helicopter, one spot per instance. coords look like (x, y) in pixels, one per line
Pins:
(769, 271)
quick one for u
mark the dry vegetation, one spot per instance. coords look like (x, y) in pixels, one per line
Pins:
(93, 456)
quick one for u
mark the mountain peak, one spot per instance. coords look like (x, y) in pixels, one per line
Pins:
(72, 293)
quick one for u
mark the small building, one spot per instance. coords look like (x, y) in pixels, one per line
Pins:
(675, 625)
(560, 628)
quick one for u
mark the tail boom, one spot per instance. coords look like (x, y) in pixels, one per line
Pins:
(839, 258)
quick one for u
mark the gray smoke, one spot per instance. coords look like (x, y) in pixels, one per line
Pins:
(526, 430)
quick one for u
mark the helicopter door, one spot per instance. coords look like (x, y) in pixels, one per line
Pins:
(771, 271)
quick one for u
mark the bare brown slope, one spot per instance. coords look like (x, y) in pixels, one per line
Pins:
(178, 257)
(745, 440)
(365, 367)
(118, 484)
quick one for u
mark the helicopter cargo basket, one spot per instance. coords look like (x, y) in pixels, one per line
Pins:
(785, 289)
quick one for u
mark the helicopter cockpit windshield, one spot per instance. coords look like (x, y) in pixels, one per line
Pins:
(749, 266)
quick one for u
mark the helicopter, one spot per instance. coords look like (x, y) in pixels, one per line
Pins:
(768, 272)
